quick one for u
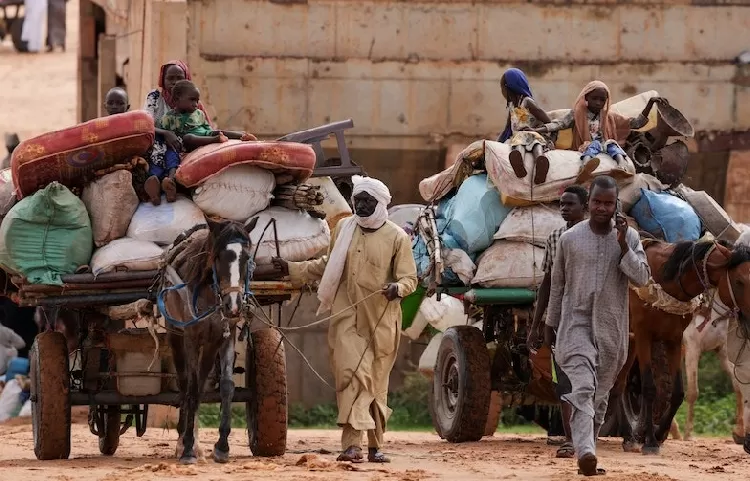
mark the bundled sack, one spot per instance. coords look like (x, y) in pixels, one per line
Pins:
(458, 266)
(126, 255)
(510, 264)
(440, 185)
(666, 216)
(70, 156)
(236, 193)
(289, 161)
(532, 224)
(301, 237)
(630, 194)
(46, 236)
(475, 214)
(7, 192)
(111, 202)
(162, 223)
(564, 168)
(334, 204)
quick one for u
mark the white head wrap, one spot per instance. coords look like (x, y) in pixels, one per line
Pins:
(337, 259)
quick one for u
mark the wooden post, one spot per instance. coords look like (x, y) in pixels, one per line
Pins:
(107, 68)
(87, 63)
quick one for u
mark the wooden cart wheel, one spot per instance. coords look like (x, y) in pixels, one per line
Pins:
(50, 396)
(111, 440)
(266, 412)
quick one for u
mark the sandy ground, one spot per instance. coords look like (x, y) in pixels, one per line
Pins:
(38, 91)
(38, 94)
(416, 456)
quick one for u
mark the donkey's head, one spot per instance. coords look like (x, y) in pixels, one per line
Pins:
(231, 263)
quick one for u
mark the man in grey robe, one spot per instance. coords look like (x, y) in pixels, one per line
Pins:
(588, 312)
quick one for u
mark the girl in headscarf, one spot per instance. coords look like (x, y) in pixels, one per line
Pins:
(524, 115)
(165, 153)
(596, 130)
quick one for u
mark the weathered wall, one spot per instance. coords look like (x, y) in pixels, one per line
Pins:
(412, 72)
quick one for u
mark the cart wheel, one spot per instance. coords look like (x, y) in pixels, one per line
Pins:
(431, 408)
(50, 396)
(266, 412)
(462, 385)
(16, 29)
(112, 423)
(493, 413)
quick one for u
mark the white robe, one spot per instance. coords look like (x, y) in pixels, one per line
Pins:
(33, 32)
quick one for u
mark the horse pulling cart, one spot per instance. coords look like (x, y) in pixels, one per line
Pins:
(101, 345)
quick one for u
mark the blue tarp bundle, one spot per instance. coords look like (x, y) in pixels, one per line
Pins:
(666, 216)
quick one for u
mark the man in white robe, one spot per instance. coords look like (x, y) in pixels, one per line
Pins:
(369, 266)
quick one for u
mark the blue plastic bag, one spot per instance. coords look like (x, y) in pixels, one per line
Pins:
(666, 216)
(475, 214)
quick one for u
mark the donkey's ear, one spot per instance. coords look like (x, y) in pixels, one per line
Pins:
(250, 225)
(215, 227)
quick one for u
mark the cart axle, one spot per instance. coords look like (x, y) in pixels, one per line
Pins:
(112, 398)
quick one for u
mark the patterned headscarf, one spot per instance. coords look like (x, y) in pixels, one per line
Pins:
(167, 95)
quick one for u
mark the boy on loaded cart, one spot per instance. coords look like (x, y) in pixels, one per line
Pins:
(588, 308)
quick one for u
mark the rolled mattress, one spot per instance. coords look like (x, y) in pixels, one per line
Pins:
(289, 161)
(71, 155)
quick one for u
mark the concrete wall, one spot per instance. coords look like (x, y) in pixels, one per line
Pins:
(412, 73)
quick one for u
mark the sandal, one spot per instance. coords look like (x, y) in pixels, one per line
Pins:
(566, 451)
(587, 170)
(541, 169)
(169, 188)
(516, 162)
(587, 466)
(153, 189)
(375, 456)
(352, 454)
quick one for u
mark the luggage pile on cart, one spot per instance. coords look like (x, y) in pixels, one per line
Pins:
(76, 241)
(481, 240)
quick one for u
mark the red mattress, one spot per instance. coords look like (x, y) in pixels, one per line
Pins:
(289, 161)
(71, 155)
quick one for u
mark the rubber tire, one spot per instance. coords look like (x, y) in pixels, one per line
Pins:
(50, 396)
(112, 422)
(431, 408)
(464, 346)
(16, 29)
(266, 413)
(630, 401)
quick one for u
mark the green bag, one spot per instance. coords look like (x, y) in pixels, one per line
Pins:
(46, 235)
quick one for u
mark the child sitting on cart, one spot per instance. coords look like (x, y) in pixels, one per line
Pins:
(596, 129)
(191, 126)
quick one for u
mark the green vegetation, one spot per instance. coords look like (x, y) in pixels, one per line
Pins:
(714, 411)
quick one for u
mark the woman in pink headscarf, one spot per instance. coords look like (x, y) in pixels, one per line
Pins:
(596, 130)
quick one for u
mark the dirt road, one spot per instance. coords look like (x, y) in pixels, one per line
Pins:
(416, 456)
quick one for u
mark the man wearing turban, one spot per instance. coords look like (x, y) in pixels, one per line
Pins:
(369, 267)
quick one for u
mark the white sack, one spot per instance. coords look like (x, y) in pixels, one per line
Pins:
(111, 202)
(565, 166)
(404, 214)
(510, 264)
(460, 263)
(25, 410)
(163, 223)
(126, 255)
(531, 224)
(7, 192)
(236, 193)
(10, 400)
(630, 194)
(445, 313)
(301, 237)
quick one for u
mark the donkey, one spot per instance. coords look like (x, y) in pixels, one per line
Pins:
(208, 304)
